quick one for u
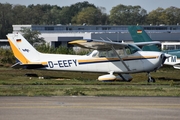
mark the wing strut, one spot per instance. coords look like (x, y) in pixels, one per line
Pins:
(120, 59)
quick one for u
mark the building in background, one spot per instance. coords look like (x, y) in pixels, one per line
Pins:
(4, 44)
(57, 35)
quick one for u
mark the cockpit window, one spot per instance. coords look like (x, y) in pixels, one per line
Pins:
(107, 53)
(131, 49)
(89, 53)
(94, 54)
(103, 53)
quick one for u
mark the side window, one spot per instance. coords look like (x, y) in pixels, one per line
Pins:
(108, 54)
(128, 50)
(102, 53)
(131, 49)
(120, 52)
(111, 54)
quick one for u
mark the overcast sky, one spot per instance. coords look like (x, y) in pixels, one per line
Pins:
(148, 5)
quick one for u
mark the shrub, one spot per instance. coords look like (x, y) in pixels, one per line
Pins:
(6, 57)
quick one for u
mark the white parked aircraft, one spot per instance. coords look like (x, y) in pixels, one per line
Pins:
(107, 57)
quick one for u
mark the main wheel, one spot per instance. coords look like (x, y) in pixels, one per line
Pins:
(151, 79)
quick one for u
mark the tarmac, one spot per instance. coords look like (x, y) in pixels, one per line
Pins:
(89, 108)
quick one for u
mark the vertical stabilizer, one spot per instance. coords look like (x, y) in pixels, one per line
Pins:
(139, 35)
(22, 49)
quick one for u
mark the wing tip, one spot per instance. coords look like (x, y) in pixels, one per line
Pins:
(80, 41)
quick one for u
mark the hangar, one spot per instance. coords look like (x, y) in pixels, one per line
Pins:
(57, 35)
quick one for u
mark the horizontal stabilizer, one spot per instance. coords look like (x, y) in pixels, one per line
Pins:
(140, 44)
(19, 65)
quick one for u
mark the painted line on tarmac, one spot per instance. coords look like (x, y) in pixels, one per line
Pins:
(90, 106)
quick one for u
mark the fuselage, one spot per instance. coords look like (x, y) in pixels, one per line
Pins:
(140, 61)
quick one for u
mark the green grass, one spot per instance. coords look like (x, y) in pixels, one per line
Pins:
(89, 90)
(13, 82)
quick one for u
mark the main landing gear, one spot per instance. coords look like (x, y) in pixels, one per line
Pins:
(150, 79)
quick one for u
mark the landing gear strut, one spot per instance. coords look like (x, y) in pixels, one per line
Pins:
(150, 79)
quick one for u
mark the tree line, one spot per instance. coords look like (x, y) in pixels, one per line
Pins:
(82, 12)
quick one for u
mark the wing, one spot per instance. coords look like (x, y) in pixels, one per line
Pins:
(101, 45)
(98, 44)
(147, 43)
(27, 66)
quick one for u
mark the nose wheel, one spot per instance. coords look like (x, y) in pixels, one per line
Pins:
(150, 79)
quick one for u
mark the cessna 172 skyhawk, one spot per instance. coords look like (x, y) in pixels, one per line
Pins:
(107, 57)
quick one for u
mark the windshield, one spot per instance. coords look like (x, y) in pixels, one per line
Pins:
(93, 53)
(131, 49)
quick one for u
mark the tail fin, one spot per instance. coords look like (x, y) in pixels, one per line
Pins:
(139, 35)
(22, 49)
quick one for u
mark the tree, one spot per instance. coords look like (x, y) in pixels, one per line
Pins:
(89, 15)
(32, 36)
(19, 14)
(65, 17)
(51, 14)
(104, 18)
(173, 15)
(6, 19)
(157, 16)
(79, 6)
(168, 16)
(36, 14)
(68, 14)
(127, 15)
(55, 15)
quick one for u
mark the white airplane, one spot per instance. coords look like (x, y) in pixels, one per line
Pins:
(107, 57)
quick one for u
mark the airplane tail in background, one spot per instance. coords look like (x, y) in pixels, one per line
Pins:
(22, 49)
(139, 35)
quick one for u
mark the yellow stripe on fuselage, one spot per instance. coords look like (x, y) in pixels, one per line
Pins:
(44, 63)
(98, 59)
(114, 59)
(140, 57)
